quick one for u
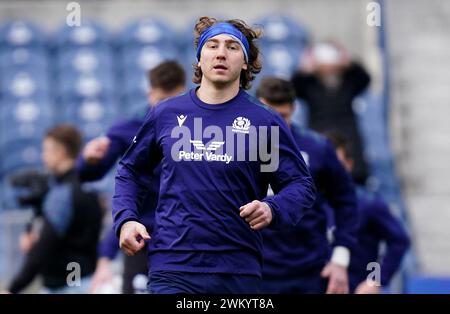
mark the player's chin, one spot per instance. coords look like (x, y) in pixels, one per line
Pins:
(224, 77)
(221, 79)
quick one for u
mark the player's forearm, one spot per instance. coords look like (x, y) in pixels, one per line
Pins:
(88, 172)
(109, 246)
(289, 204)
(130, 191)
(346, 217)
(93, 172)
(345, 234)
(392, 260)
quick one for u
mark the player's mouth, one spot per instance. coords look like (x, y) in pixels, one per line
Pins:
(220, 67)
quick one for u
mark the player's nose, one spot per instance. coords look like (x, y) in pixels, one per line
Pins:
(221, 52)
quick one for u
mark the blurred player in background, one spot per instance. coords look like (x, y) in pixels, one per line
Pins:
(328, 81)
(206, 235)
(71, 221)
(377, 224)
(297, 259)
(101, 154)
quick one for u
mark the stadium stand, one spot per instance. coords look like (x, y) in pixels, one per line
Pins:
(91, 75)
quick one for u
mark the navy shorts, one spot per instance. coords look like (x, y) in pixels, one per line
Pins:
(177, 282)
(312, 284)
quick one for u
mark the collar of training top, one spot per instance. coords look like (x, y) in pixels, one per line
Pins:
(224, 28)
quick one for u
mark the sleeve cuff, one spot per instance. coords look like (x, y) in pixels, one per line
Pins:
(274, 223)
(341, 256)
(122, 217)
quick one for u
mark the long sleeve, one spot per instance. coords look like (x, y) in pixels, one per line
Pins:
(397, 241)
(134, 172)
(293, 186)
(119, 137)
(38, 256)
(109, 246)
(88, 172)
(340, 194)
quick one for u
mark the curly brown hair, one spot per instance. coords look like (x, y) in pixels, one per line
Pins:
(254, 65)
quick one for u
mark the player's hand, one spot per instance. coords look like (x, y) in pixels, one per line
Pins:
(367, 288)
(257, 214)
(27, 240)
(132, 237)
(102, 275)
(96, 149)
(337, 278)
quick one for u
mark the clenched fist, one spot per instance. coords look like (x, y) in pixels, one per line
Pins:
(257, 214)
(132, 237)
(96, 149)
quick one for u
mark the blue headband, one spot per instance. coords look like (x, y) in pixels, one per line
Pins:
(224, 28)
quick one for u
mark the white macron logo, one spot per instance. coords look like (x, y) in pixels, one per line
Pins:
(181, 119)
(241, 125)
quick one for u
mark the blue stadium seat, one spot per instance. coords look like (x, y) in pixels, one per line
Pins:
(42, 98)
(283, 29)
(23, 59)
(185, 38)
(23, 120)
(135, 82)
(146, 57)
(280, 60)
(23, 84)
(21, 154)
(89, 34)
(86, 60)
(371, 122)
(147, 31)
(20, 33)
(187, 58)
(91, 116)
(85, 85)
(135, 66)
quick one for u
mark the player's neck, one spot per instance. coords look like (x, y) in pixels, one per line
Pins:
(211, 93)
